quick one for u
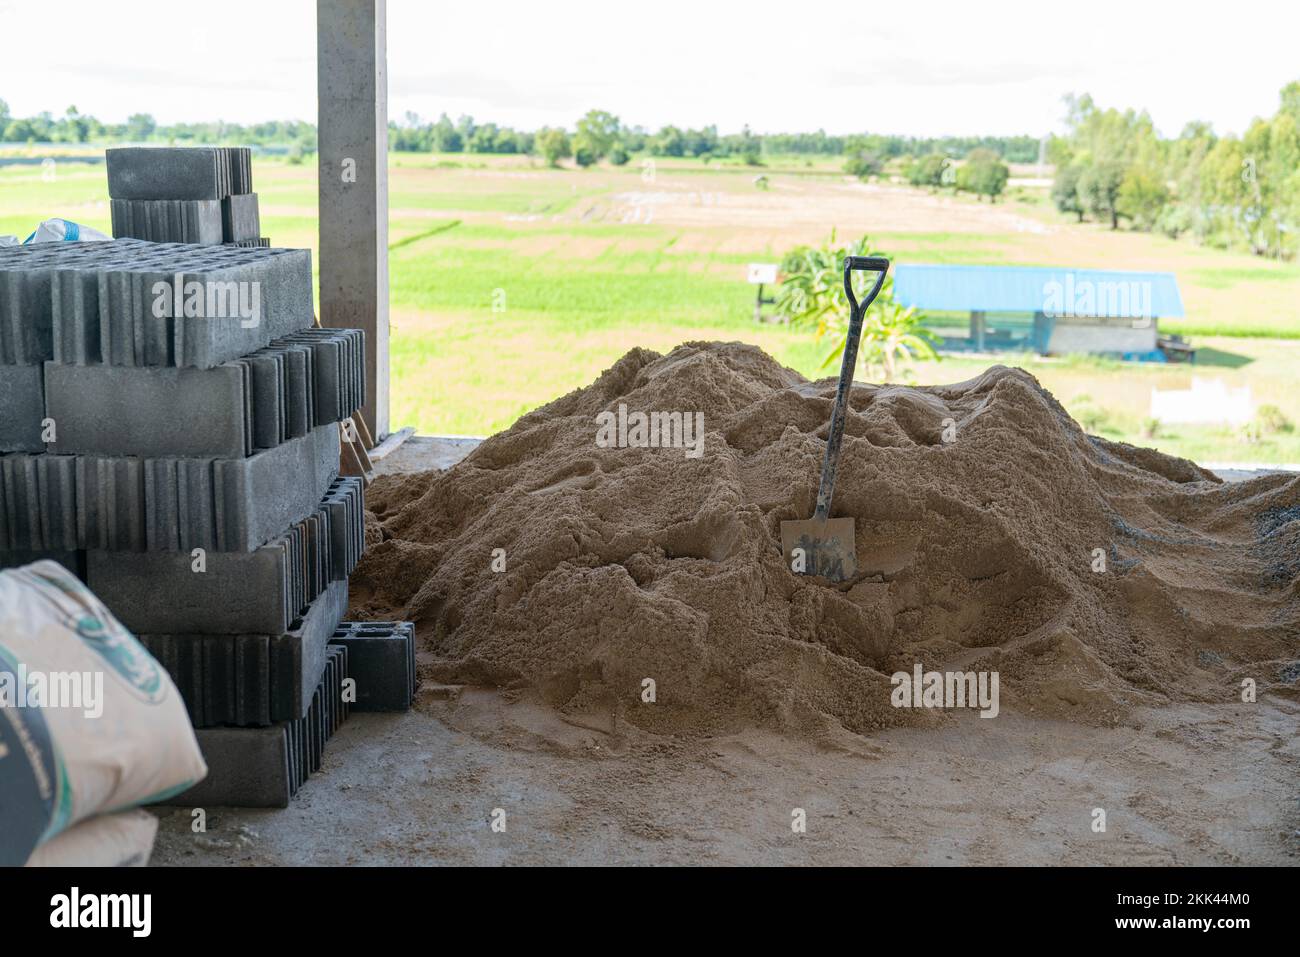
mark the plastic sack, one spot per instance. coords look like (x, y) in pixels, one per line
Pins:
(8, 241)
(118, 840)
(90, 723)
(64, 231)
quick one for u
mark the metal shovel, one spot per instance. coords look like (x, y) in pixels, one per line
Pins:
(822, 545)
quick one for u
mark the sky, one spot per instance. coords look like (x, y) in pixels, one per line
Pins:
(923, 69)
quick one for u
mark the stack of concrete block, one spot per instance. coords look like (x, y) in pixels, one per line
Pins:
(200, 195)
(185, 463)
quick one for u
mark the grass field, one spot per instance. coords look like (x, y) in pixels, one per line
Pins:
(513, 284)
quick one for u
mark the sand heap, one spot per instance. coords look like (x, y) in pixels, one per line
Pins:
(974, 554)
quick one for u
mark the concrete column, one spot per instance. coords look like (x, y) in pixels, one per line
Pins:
(352, 124)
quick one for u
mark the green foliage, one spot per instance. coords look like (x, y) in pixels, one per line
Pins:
(983, 174)
(812, 294)
(597, 132)
(618, 156)
(1065, 189)
(553, 145)
(584, 155)
(1098, 189)
(1271, 420)
(863, 165)
(928, 170)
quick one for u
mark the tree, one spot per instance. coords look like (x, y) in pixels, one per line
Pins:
(669, 142)
(928, 171)
(863, 165)
(446, 138)
(1098, 189)
(553, 145)
(597, 132)
(1065, 190)
(1142, 196)
(139, 127)
(584, 156)
(983, 174)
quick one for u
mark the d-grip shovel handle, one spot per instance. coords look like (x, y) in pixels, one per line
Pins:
(859, 310)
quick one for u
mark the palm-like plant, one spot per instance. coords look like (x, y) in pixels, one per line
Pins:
(812, 293)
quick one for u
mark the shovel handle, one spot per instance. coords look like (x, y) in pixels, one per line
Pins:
(859, 310)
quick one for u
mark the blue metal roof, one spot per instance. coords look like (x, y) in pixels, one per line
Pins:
(1056, 291)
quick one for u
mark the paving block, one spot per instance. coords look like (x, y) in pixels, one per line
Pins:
(259, 243)
(22, 407)
(198, 221)
(274, 584)
(239, 218)
(381, 659)
(115, 302)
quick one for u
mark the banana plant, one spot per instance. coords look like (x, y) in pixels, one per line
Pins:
(812, 294)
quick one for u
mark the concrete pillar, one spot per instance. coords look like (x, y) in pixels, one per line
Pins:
(352, 124)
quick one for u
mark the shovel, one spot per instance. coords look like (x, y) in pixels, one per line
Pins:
(822, 545)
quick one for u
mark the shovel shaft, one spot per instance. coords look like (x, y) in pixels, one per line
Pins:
(857, 313)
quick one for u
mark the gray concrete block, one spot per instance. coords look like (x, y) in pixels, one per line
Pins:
(266, 766)
(38, 503)
(247, 680)
(298, 656)
(239, 218)
(160, 593)
(196, 221)
(22, 407)
(247, 767)
(153, 412)
(229, 411)
(381, 659)
(73, 561)
(111, 302)
(201, 172)
(68, 502)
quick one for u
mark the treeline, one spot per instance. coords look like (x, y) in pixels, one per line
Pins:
(1225, 191)
(76, 127)
(466, 136)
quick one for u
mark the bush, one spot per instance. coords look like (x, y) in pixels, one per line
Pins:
(584, 156)
(1271, 420)
(863, 165)
(618, 156)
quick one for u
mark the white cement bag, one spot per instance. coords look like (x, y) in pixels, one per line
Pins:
(8, 240)
(64, 231)
(90, 723)
(118, 840)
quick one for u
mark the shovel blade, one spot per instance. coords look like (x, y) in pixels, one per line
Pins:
(820, 548)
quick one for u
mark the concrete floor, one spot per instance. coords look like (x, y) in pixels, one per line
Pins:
(1182, 785)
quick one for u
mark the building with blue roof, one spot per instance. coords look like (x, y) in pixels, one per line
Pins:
(1049, 310)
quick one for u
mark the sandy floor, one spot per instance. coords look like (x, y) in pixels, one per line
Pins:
(1182, 785)
(1190, 785)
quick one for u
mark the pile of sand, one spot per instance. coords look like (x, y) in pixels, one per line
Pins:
(977, 554)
